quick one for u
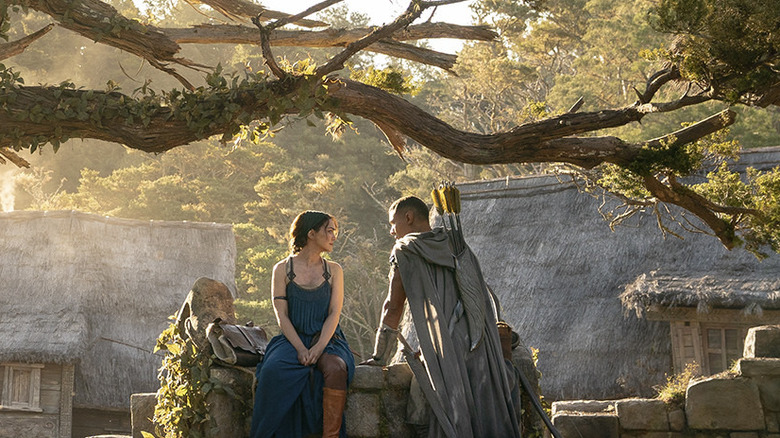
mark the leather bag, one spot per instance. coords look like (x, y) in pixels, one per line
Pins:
(239, 345)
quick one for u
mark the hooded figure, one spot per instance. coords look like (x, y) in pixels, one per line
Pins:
(466, 381)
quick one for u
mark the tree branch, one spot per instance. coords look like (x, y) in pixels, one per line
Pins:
(236, 9)
(316, 8)
(547, 140)
(337, 62)
(687, 199)
(14, 48)
(234, 34)
(656, 81)
(12, 157)
(268, 55)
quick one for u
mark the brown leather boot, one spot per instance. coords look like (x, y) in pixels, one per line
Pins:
(333, 401)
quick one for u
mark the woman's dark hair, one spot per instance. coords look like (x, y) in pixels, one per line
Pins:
(308, 220)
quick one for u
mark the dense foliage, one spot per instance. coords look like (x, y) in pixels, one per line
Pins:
(259, 174)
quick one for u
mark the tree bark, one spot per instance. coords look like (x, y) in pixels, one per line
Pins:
(16, 47)
(547, 140)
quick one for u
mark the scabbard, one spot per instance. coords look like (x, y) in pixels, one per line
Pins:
(418, 368)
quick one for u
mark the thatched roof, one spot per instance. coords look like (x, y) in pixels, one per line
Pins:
(750, 291)
(559, 272)
(97, 291)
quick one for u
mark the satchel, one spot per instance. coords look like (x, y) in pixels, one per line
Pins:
(239, 345)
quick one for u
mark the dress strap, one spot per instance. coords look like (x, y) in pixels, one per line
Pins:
(290, 272)
(326, 272)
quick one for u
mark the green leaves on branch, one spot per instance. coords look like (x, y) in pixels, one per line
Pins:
(730, 45)
(223, 106)
(391, 79)
(748, 203)
(756, 191)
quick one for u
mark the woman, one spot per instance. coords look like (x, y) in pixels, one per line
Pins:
(302, 381)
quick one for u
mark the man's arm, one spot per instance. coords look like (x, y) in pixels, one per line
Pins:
(392, 311)
(393, 308)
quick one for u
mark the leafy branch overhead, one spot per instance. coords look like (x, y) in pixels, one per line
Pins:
(719, 57)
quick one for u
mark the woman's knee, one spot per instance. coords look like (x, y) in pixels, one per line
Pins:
(334, 370)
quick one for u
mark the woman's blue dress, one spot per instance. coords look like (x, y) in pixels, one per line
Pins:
(288, 399)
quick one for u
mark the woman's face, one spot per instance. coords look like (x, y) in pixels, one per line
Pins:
(325, 237)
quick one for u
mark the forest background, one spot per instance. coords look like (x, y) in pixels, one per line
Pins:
(548, 55)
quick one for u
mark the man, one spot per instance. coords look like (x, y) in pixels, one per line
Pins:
(467, 384)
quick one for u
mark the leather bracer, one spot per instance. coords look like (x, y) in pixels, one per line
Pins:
(385, 345)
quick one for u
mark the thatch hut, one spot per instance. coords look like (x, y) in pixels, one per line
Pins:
(83, 300)
(559, 273)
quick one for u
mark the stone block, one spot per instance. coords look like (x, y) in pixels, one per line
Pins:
(368, 377)
(724, 403)
(591, 406)
(394, 412)
(758, 367)
(772, 422)
(141, 413)
(228, 415)
(109, 436)
(656, 434)
(642, 414)
(587, 425)
(743, 435)
(763, 341)
(399, 375)
(363, 415)
(677, 420)
(769, 388)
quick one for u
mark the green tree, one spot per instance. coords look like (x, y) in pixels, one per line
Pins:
(721, 56)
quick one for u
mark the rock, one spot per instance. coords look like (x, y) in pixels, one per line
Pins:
(141, 413)
(228, 416)
(724, 403)
(763, 341)
(677, 420)
(591, 406)
(399, 375)
(368, 377)
(758, 367)
(743, 435)
(363, 415)
(394, 410)
(773, 422)
(642, 414)
(587, 425)
(209, 299)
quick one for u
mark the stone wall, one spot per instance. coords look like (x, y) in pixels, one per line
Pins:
(741, 403)
(376, 404)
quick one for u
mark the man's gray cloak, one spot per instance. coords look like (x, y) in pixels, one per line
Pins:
(472, 386)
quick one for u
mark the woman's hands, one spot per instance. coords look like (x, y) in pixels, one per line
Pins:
(310, 356)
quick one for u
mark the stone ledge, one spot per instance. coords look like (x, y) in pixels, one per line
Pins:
(587, 425)
(141, 412)
(399, 375)
(589, 406)
(724, 403)
(642, 414)
(758, 367)
(763, 341)
(368, 377)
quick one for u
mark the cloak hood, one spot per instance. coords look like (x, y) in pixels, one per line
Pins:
(433, 246)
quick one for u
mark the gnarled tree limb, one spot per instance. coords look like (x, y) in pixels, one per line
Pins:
(16, 47)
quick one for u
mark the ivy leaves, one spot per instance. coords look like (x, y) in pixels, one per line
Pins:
(224, 105)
